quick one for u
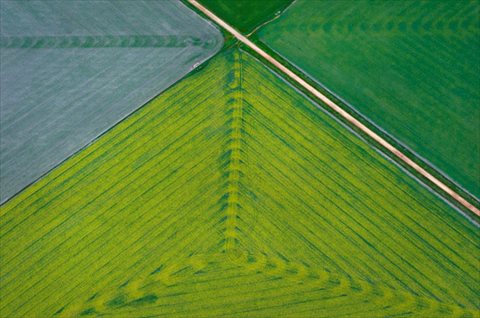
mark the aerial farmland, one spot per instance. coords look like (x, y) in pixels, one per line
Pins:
(239, 158)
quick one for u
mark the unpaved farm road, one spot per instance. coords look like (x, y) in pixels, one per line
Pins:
(337, 109)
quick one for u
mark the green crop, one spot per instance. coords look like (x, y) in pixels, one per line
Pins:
(410, 66)
(231, 194)
(246, 15)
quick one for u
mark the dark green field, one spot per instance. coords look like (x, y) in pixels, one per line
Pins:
(411, 67)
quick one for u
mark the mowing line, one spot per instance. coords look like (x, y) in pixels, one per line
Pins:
(337, 109)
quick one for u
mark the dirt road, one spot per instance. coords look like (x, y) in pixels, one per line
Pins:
(337, 109)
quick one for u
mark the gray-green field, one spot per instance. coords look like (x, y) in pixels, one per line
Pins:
(410, 66)
(72, 69)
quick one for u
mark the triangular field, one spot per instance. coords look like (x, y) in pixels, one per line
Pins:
(231, 194)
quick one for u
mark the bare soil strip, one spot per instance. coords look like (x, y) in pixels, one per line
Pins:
(338, 109)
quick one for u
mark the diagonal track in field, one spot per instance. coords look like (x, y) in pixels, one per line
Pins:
(139, 223)
(406, 69)
(341, 112)
(310, 192)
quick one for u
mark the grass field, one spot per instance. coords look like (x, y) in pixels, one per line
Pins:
(73, 69)
(411, 67)
(231, 194)
(246, 15)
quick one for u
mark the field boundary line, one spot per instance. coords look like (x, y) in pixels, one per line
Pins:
(340, 111)
(278, 14)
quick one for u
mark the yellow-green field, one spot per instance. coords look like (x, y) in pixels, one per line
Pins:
(233, 195)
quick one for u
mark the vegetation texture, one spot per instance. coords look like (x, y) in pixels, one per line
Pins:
(245, 15)
(411, 67)
(73, 69)
(231, 194)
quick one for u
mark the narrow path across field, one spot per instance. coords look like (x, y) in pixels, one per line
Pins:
(338, 109)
